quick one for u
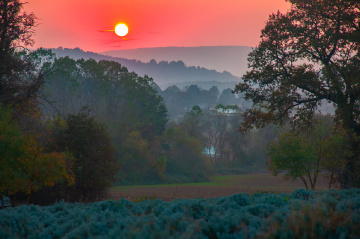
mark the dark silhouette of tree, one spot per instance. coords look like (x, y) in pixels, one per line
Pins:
(109, 90)
(305, 56)
(94, 163)
(227, 97)
(16, 29)
(185, 159)
(19, 75)
(192, 122)
(211, 96)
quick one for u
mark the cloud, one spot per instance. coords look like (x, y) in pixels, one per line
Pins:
(127, 39)
(106, 30)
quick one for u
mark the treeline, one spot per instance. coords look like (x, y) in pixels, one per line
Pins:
(178, 102)
(90, 125)
(226, 150)
(164, 72)
(71, 128)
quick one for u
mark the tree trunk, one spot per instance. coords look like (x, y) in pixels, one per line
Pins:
(349, 176)
(304, 181)
(346, 177)
(331, 179)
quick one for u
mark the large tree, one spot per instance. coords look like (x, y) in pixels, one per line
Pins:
(16, 29)
(22, 72)
(306, 57)
(94, 163)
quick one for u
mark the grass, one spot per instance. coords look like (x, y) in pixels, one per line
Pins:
(226, 180)
(216, 187)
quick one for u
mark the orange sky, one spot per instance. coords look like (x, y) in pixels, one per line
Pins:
(152, 23)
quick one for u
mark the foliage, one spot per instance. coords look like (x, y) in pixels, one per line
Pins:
(117, 98)
(16, 29)
(184, 156)
(224, 109)
(26, 164)
(123, 101)
(192, 121)
(11, 148)
(320, 149)
(141, 160)
(229, 148)
(179, 102)
(306, 57)
(301, 214)
(94, 163)
(293, 154)
(21, 76)
(227, 97)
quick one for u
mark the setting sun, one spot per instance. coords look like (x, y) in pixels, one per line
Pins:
(121, 30)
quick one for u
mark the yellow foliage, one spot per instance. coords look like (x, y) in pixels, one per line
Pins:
(35, 168)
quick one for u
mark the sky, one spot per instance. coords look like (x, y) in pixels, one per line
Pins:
(152, 23)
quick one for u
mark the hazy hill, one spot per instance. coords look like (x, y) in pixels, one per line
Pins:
(220, 58)
(164, 73)
(205, 85)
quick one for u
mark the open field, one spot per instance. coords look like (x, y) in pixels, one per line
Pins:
(217, 187)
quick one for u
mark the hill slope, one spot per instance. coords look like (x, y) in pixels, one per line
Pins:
(220, 58)
(164, 73)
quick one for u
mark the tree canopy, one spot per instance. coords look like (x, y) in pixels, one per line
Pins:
(19, 76)
(321, 149)
(94, 164)
(306, 57)
(113, 94)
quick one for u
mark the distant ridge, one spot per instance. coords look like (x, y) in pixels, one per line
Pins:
(164, 73)
(220, 58)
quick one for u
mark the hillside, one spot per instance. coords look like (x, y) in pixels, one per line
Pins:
(220, 58)
(164, 73)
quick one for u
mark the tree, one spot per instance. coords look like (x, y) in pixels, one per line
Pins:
(94, 163)
(11, 148)
(185, 158)
(192, 121)
(292, 153)
(306, 154)
(116, 96)
(307, 56)
(227, 98)
(26, 164)
(20, 77)
(144, 105)
(16, 29)
(141, 160)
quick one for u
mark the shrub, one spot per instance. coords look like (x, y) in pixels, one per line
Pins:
(328, 214)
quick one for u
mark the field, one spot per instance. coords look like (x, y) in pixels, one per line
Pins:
(217, 187)
(300, 214)
(260, 206)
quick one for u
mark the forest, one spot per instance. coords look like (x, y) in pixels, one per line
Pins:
(70, 129)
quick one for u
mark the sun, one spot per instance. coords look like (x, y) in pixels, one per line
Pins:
(121, 29)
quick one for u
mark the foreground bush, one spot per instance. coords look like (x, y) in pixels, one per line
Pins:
(301, 214)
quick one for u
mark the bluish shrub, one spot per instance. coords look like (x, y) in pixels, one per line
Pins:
(301, 214)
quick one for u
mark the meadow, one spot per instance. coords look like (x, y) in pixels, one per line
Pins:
(218, 186)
